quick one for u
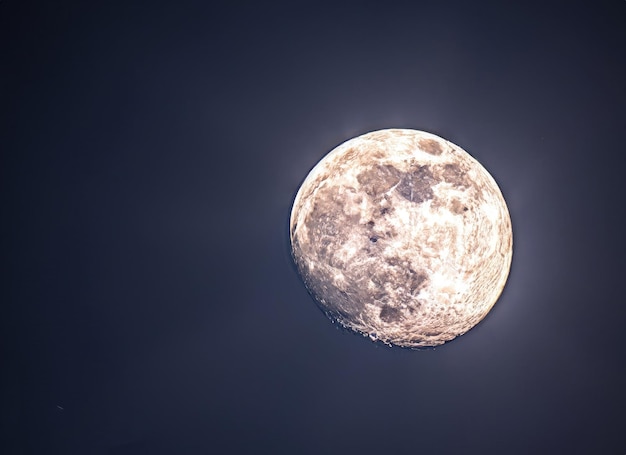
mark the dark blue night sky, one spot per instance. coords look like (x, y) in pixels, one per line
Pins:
(150, 152)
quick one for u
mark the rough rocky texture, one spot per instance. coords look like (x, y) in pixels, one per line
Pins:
(403, 237)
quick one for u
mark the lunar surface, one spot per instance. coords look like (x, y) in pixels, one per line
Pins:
(402, 236)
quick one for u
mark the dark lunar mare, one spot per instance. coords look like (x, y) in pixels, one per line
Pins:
(416, 186)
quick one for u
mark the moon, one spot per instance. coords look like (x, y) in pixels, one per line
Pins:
(403, 237)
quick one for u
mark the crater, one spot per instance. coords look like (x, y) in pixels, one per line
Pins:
(393, 261)
(454, 174)
(431, 146)
(457, 207)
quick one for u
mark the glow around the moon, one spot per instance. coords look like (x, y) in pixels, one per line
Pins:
(402, 236)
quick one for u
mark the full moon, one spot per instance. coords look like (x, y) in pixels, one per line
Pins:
(402, 236)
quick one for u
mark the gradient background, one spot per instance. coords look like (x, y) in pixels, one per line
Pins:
(150, 155)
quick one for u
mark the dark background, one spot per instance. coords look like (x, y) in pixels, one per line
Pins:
(150, 155)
